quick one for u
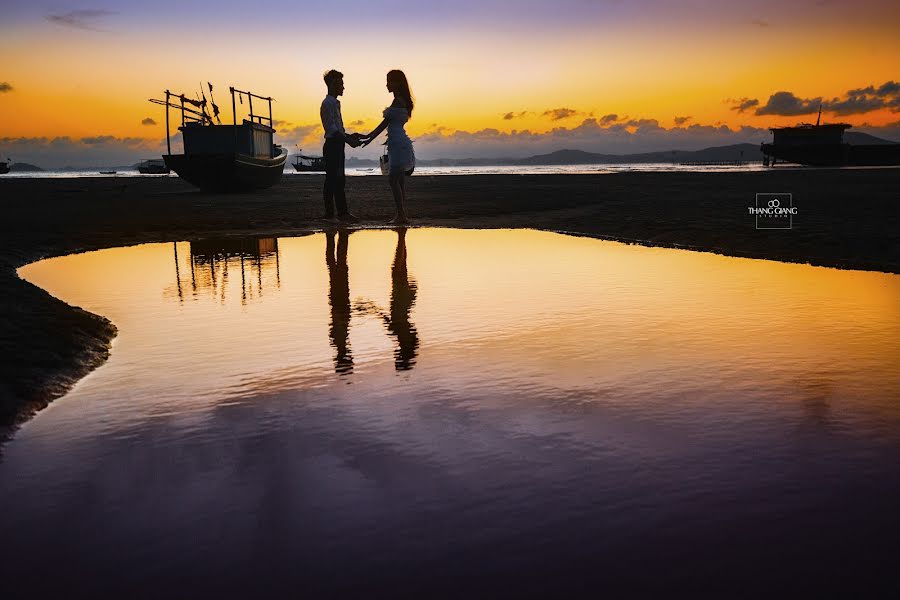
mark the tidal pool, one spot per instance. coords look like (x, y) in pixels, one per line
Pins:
(452, 412)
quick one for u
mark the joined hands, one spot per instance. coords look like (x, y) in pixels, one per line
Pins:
(355, 140)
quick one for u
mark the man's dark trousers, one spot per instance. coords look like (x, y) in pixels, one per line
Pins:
(333, 152)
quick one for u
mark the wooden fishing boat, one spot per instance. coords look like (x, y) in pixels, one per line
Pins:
(309, 164)
(153, 166)
(224, 158)
(823, 145)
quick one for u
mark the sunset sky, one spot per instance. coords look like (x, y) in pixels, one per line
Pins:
(491, 78)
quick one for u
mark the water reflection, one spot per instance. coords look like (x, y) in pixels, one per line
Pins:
(580, 414)
(339, 299)
(210, 261)
(397, 319)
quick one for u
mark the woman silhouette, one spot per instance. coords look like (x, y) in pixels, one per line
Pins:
(401, 158)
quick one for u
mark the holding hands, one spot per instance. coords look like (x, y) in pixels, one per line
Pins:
(355, 140)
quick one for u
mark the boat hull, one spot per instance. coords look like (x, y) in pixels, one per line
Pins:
(228, 172)
(835, 155)
(4, 168)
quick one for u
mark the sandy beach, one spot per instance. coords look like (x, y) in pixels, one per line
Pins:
(846, 219)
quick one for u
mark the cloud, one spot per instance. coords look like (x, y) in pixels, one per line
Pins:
(867, 99)
(300, 135)
(80, 19)
(679, 121)
(760, 23)
(148, 121)
(642, 125)
(622, 136)
(743, 104)
(515, 115)
(357, 123)
(854, 102)
(5, 87)
(609, 119)
(92, 151)
(788, 105)
(557, 114)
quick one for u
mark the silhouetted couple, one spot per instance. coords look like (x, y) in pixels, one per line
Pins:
(396, 320)
(401, 157)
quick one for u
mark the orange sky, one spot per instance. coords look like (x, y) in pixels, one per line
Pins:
(92, 74)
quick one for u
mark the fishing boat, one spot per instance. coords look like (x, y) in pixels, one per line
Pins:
(153, 166)
(823, 145)
(309, 164)
(223, 158)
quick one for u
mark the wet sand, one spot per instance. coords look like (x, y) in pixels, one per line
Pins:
(846, 219)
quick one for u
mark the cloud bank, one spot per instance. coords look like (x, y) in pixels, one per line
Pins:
(80, 19)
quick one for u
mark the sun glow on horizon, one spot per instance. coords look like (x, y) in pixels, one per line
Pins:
(86, 81)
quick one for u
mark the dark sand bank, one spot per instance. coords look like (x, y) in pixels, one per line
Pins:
(847, 219)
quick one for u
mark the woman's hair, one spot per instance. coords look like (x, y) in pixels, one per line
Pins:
(401, 88)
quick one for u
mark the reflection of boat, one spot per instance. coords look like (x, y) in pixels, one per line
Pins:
(153, 166)
(309, 164)
(220, 157)
(824, 145)
(211, 260)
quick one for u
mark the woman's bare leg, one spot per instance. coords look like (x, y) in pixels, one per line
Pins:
(398, 187)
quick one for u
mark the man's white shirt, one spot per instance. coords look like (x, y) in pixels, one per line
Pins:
(332, 122)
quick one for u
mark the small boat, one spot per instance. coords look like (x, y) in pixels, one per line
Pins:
(4, 167)
(823, 145)
(153, 166)
(309, 164)
(224, 158)
(108, 172)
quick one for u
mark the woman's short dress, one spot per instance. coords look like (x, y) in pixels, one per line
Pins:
(401, 156)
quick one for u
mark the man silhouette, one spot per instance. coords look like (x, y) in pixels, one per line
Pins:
(339, 299)
(333, 150)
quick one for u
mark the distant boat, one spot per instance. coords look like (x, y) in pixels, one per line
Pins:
(309, 164)
(153, 166)
(224, 158)
(823, 145)
(4, 167)
(108, 172)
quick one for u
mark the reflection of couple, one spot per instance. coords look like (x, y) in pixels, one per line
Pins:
(396, 320)
(401, 158)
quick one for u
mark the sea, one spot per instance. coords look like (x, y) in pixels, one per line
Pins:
(452, 170)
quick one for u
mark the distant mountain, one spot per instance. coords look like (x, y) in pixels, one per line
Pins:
(354, 162)
(22, 167)
(735, 152)
(859, 138)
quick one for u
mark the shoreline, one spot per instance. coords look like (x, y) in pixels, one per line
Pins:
(847, 219)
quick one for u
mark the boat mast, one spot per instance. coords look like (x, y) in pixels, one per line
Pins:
(168, 140)
(819, 118)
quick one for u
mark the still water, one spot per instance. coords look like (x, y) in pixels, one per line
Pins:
(453, 412)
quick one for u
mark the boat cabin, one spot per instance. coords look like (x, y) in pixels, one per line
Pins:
(804, 135)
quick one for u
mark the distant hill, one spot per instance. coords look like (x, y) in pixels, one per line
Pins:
(859, 138)
(22, 167)
(354, 162)
(734, 152)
